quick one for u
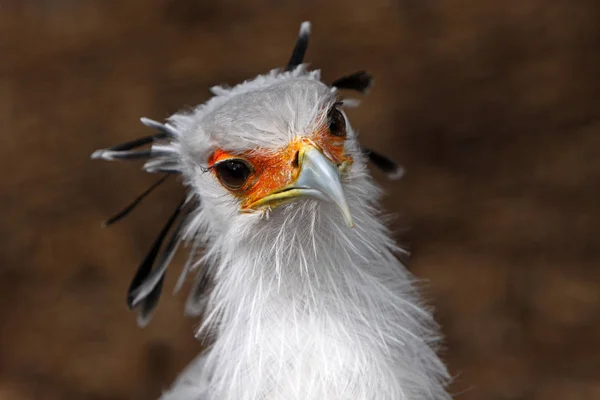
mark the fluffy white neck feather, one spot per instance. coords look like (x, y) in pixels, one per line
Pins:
(307, 308)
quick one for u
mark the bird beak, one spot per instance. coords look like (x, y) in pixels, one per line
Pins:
(317, 178)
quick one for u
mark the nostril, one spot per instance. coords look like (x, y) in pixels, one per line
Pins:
(295, 160)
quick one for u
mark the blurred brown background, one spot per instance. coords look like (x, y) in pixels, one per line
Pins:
(492, 106)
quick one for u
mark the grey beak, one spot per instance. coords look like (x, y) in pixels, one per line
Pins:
(320, 178)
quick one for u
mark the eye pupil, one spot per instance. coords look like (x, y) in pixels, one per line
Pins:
(233, 173)
(336, 123)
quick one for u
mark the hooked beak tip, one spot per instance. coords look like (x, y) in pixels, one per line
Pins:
(349, 221)
(318, 173)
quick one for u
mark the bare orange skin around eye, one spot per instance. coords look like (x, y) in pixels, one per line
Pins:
(274, 169)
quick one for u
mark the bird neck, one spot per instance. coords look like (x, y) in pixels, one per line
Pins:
(313, 309)
(312, 253)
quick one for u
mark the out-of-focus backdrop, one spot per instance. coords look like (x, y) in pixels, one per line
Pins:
(492, 107)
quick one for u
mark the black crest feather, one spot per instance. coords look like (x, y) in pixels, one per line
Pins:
(125, 211)
(385, 164)
(144, 270)
(148, 305)
(300, 49)
(138, 142)
(164, 129)
(360, 81)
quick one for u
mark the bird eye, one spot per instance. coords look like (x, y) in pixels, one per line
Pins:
(233, 173)
(336, 122)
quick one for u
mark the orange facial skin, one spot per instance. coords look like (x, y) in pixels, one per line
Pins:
(274, 169)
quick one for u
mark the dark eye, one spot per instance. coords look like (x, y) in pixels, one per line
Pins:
(336, 122)
(233, 173)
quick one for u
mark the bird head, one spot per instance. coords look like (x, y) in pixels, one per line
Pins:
(254, 156)
(285, 141)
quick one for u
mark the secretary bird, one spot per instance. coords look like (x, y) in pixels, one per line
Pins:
(301, 293)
